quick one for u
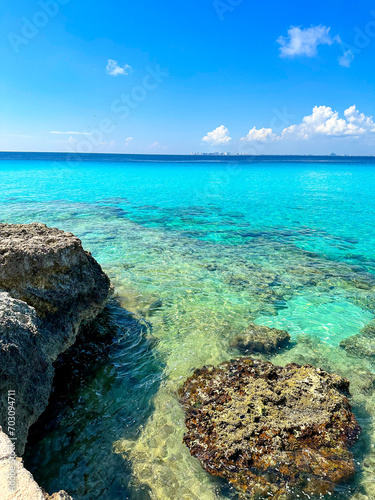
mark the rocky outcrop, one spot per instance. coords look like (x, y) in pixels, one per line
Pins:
(49, 288)
(362, 344)
(262, 339)
(25, 368)
(271, 431)
(48, 269)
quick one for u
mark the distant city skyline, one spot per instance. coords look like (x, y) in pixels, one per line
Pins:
(173, 78)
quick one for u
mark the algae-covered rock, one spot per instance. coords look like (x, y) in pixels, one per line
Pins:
(359, 345)
(362, 344)
(270, 430)
(258, 338)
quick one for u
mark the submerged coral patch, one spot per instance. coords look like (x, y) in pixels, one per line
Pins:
(362, 344)
(261, 339)
(270, 430)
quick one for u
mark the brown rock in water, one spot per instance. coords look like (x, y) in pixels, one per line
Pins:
(362, 344)
(258, 338)
(271, 431)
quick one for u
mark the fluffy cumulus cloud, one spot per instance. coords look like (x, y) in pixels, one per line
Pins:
(217, 137)
(128, 141)
(358, 119)
(114, 69)
(322, 122)
(259, 135)
(305, 41)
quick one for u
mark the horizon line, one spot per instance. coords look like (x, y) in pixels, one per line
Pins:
(221, 155)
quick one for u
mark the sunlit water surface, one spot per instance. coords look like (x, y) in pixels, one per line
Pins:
(210, 247)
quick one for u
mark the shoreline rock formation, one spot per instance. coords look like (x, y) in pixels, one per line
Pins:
(49, 287)
(26, 487)
(271, 431)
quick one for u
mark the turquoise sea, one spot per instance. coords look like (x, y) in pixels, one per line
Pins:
(197, 247)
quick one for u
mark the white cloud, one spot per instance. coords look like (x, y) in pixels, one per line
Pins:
(259, 135)
(128, 140)
(322, 122)
(305, 41)
(325, 122)
(114, 69)
(70, 133)
(218, 136)
(353, 116)
(346, 59)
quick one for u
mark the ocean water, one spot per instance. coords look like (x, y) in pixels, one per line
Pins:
(197, 248)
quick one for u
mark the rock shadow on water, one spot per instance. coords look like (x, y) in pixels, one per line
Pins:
(113, 356)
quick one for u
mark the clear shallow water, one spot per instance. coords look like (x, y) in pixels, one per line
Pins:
(218, 245)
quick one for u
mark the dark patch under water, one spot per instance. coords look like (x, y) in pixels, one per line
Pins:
(110, 372)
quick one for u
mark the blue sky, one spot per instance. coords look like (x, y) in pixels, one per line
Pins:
(175, 77)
